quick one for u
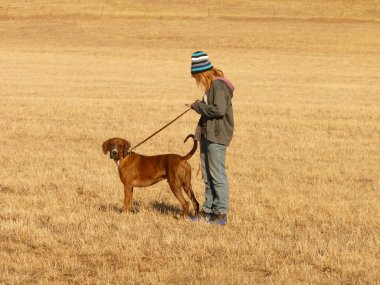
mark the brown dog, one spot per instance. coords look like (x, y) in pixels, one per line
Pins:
(137, 170)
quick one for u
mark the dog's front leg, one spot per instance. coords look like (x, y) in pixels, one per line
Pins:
(128, 195)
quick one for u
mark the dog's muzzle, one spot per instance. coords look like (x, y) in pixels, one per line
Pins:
(114, 154)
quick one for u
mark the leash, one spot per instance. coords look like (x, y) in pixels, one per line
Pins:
(155, 133)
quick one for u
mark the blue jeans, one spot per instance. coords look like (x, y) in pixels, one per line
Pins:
(213, 161)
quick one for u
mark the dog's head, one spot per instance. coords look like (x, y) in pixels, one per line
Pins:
(117, 147)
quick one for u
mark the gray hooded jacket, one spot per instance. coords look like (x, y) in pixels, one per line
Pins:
(217, 119)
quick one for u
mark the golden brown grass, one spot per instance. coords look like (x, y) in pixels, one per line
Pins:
(303, 166)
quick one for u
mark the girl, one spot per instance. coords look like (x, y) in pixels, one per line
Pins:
(214, 130)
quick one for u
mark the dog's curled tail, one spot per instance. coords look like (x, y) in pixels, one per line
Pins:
(193, 150)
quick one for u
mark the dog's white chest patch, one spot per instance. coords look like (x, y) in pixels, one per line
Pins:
(117, 163)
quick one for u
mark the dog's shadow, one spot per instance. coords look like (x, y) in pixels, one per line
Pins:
(166, 209)
(160, 207)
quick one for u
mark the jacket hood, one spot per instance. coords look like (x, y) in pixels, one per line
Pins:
(229, 84)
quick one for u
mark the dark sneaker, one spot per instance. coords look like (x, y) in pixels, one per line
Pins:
(202, 216)
(218, 218)
(205, 216)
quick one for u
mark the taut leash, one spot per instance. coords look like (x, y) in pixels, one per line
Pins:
(159, 130)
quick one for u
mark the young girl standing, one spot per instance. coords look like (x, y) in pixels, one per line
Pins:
(214, 131)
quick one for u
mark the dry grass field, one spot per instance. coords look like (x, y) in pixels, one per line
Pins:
(303, 167)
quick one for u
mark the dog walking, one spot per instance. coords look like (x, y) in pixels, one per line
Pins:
(214, 131)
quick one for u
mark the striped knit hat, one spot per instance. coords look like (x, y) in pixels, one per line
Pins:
(200, 62)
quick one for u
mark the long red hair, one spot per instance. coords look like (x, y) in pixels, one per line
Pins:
(205, 79)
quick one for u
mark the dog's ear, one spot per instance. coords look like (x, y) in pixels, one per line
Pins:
(126, 146)
(105, 146)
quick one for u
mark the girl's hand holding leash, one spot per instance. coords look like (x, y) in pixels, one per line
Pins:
(191, 105)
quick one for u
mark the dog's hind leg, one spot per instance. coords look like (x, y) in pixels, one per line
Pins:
(186, 185)
(177, 191)
(195, 202)
(190, 193)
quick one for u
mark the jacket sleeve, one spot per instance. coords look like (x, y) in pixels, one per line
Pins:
(217, 105)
